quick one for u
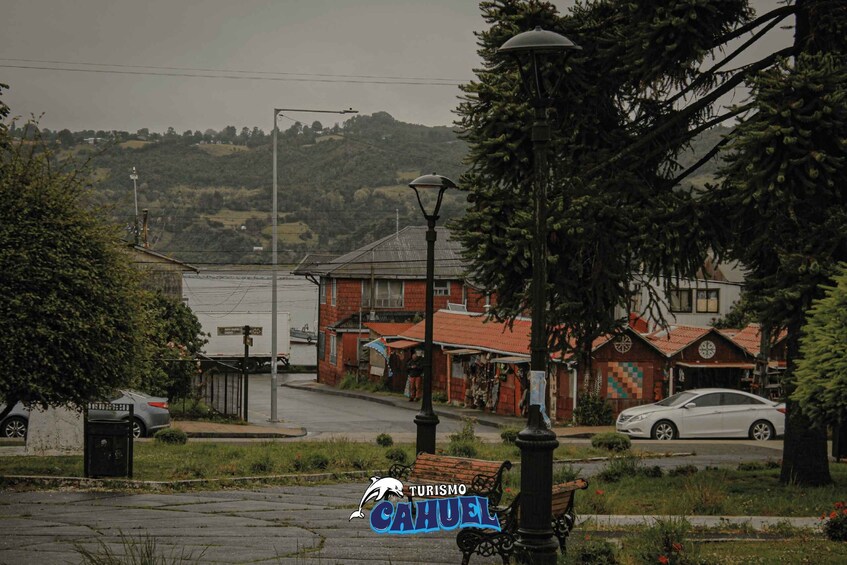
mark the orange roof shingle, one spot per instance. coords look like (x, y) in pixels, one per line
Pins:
(676, 338)
(459, 329)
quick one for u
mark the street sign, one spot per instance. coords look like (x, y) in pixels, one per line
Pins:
(238, 330)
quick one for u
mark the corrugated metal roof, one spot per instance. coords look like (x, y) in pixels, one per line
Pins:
(398, 256)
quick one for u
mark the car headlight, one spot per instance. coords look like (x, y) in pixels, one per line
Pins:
(638, 418)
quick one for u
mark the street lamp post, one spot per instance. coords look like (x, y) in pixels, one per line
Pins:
(274, 260)
(427, 419)
(134, 176)
(537, 442)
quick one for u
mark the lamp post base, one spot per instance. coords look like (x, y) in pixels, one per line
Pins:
(426, 424)
(536, 542)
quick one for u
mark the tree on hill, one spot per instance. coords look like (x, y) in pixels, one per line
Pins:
(69, 328)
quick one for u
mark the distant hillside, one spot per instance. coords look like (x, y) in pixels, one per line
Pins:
(339, 188)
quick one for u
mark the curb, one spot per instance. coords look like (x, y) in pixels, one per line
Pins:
(397, 404)
(42, 480)
(245, 435)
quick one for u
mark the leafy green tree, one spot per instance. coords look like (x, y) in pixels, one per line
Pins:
(69, 307)
(822, 369)
(174, 337)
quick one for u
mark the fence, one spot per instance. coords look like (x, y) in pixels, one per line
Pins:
(220, 386)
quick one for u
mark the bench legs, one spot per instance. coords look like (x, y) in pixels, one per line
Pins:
(485, 544)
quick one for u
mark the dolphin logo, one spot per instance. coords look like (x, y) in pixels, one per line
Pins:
(377, 490)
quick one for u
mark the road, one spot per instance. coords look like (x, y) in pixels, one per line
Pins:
(325, 416)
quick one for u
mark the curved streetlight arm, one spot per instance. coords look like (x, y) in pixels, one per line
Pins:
(434, 216)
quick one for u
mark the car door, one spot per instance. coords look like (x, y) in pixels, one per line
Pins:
(703, 419)
(739, 413)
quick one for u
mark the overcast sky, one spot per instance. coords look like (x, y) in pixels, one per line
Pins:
(315, 54)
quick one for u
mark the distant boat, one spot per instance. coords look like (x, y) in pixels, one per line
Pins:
(304, 334)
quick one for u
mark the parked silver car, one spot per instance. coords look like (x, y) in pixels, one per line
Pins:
(150, 415)
(705, 412)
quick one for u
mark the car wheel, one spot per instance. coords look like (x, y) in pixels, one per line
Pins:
(664, 431)
(14, 427)
(138, 429)
(762, 430)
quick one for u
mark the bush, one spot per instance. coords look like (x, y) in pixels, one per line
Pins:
(592, 552)
(620, 467)
(509, 434)
(263, 464)
(397, 455)
(462, 448)
(565, 474)
(592, 410)
(612, 441)
(683, 471)
(835, 523)
(439, 397)
(384, 440)
(665, 542)
(467, 432)
(171, 436)
(317, 461)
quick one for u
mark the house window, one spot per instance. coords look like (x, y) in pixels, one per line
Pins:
(680, 299)
(334, 291)
(708, 300)
(333, 349)
(387, 294)
(441, 288)
(321, 346)
(322, 291)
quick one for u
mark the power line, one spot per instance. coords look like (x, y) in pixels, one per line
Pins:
(206, 69)
(228, 77)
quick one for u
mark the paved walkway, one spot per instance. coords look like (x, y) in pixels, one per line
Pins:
(287, 525)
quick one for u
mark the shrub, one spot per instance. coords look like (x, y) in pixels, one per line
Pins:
(592, 410)
(171, 436)
(467, 432)
(665, 542)
(384, 440)
(317, 461)
(462, 448)
(620, 467)
(397, 455)
(835, 523)
(565, 474)
(263, 464)
(683, 471)
(592, 552)
(654, 472)
(509, 434)
(612, 441)
(439, 397)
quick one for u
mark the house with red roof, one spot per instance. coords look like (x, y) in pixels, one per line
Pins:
(382, 282)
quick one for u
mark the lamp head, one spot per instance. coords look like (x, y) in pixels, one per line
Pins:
(528, 47)
(430, 184)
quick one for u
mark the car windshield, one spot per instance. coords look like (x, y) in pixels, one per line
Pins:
(676, 399)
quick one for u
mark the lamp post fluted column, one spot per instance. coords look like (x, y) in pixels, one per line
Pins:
(427, 420)
(536, 543)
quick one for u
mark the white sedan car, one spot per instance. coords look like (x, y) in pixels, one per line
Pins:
(705, 412)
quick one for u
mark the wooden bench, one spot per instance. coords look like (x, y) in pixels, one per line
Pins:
(481, 478)
(487, 543)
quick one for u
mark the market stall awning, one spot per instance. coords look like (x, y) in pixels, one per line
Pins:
(462, 351)
(512, 359)
(403, 344)
(717, 365)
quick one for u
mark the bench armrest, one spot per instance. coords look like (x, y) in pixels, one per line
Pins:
(400, 472)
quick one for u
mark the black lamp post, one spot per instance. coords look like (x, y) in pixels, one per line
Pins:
(537, 442)
(427, 420)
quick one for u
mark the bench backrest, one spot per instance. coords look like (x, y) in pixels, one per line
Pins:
(563, 495)
(429, 468)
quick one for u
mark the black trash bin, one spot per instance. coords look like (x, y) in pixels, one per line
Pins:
(108, 440)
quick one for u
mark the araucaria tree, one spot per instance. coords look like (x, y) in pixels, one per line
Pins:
(68, 301)
(647, 81)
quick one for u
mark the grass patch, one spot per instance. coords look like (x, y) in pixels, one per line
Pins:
(219, 150)
(134, 144)
(711, 492)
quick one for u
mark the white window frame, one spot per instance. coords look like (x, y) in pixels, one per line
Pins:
(322, 291)
(391, 301)
(441, 288)
(334, 291)
(677, 309)
(333, 349)
(707, 301)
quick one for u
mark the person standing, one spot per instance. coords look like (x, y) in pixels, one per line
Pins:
(414, 368)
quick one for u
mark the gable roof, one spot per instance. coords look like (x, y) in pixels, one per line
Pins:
(749, 338)
(146, 256)
(676, 338)
(401, 255)
(461, 329)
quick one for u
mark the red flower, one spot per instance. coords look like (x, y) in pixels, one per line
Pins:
(844, 511)
(663, 560)
(598, 491)
(833, 514)
(839, 505)
(508, 489)
(677, 547)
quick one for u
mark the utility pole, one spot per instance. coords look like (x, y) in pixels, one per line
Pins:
(134, 177)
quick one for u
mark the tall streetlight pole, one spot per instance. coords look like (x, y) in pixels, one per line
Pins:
(537, 442)
(427, 419)
(274, 260)
(134, 176)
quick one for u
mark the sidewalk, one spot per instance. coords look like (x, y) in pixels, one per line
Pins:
(444, 410)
